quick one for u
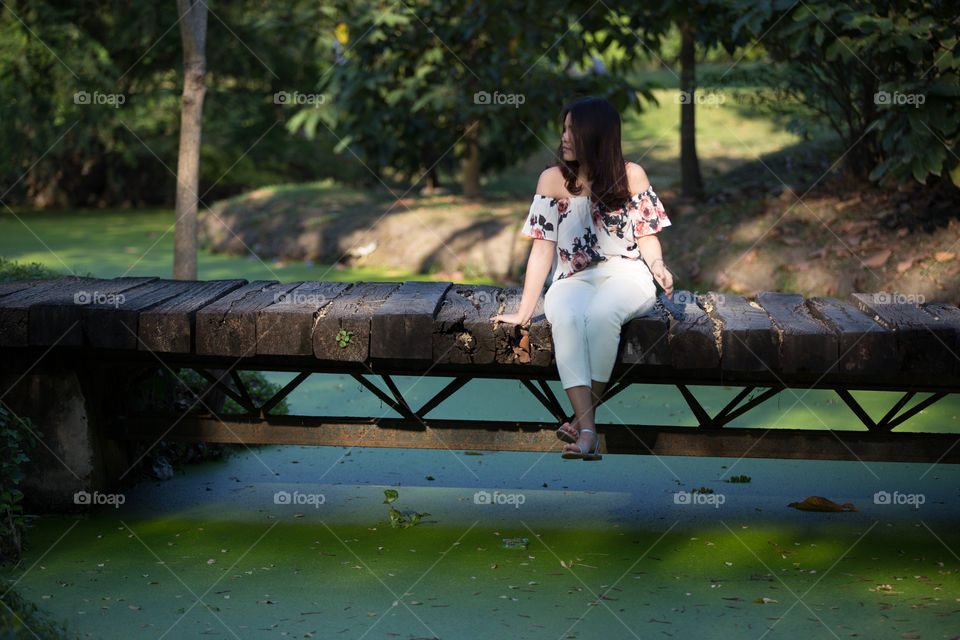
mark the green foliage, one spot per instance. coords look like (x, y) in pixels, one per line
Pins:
(20, 619)
(12, 270)
(344, 338)
(883, 76)
(17, 438)
(400, 519)
(414, 82)
(95, 93)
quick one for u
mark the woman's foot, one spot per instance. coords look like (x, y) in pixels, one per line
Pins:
(587, 447)
(567, 432)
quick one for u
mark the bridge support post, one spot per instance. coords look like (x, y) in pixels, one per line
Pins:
(68, 406)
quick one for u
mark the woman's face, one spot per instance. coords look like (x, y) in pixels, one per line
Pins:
(566, 141)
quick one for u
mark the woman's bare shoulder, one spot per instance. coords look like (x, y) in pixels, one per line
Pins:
(637, 180)
(551, 184)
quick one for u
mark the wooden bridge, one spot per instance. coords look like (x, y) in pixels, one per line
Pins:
(374, 331)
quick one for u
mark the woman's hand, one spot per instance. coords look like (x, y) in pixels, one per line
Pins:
(663, 277)
(511, 318)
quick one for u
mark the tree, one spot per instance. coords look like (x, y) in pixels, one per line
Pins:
(420, 84)
(193, 33)
(883, 75)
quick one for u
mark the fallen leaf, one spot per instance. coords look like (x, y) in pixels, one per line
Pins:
(876, 260)
(818, 503)
(943, 256)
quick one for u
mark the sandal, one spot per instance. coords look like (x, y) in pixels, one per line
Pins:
(583, 454)
(564, 435)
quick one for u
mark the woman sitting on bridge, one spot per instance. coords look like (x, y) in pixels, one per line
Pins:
(598, 215)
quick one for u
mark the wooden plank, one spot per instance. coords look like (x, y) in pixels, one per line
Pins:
(863, 345)
(950, 315)
(13, 286)
(921, 337)
(747, 341)
(463, 333)
(228, 326)
(58, 317)
(645, 341)
(170, 327)
(286, 327)
(116, 326)
(15, 309)
(514, 344)
(349, 316)
(805, 343)
(403, 325)
(694, 341)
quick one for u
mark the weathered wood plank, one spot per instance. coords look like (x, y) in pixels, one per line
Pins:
(170, 327)
(645, 341)
(13, 286)
(349, 316)
(286, 327)
(514, 344)
(950, 315)
(463, 333)
(228, 326)
(58, 317)
(15, 309)
(805, 343)
(746, 337)
(116, 326)
(695, 341)
(863, 345)
(403, 325)
(920, 336)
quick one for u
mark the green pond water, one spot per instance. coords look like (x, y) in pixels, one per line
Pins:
(295, 541)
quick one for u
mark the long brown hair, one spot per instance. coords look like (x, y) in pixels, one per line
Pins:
(596, 143)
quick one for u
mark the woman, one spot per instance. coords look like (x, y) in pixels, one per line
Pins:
(598, 215)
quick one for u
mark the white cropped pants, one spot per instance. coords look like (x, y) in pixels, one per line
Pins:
(586, 312)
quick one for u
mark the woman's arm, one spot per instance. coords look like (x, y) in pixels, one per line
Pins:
(652, 254)
(538, 267)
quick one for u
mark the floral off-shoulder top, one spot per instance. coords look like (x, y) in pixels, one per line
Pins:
(586, 233)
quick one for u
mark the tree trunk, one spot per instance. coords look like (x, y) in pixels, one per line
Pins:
(471, 164)
(193, 33)
(690, 179)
